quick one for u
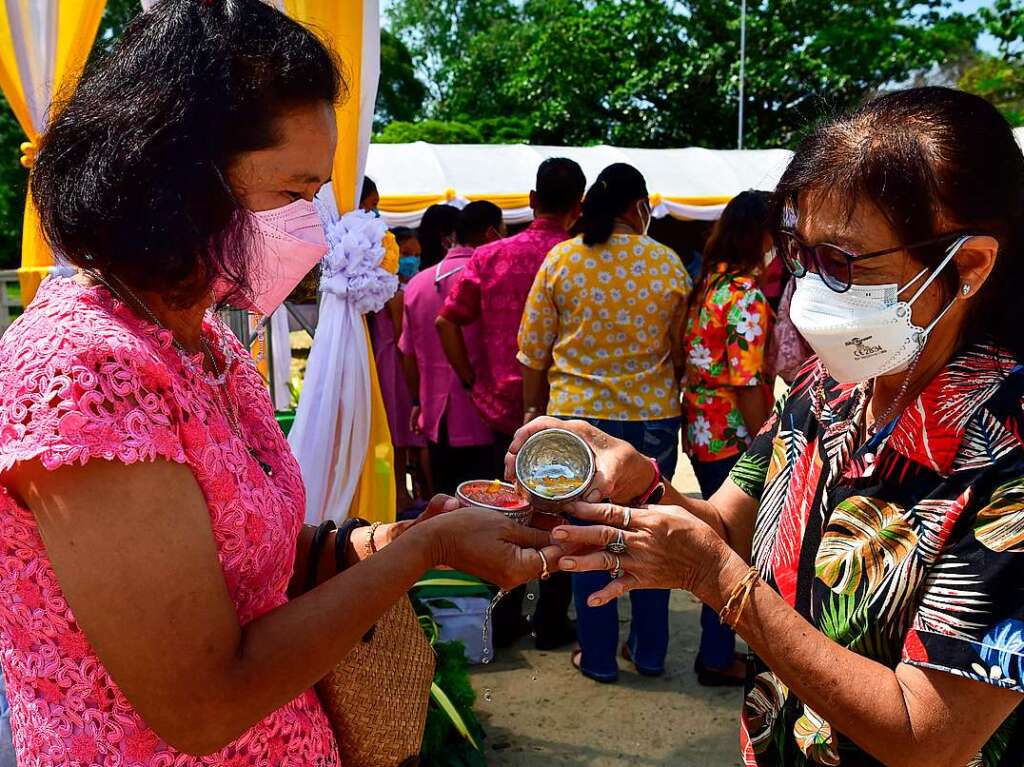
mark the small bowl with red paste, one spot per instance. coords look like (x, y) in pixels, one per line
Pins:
(497, 496)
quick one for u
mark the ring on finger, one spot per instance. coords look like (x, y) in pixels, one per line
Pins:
(618, 546)
(544, 573)
(617, 571)
(627, 517)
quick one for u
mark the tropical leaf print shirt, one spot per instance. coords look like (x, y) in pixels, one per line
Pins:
(725, 342)
(908, 548)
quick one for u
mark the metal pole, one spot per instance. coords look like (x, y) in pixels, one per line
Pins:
(743, 66)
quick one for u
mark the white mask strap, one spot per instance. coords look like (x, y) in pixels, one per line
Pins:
(953, 250)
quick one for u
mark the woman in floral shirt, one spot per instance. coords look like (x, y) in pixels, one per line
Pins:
(726, 398)
(882, 507)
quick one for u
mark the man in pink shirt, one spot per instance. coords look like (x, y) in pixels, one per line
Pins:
(458, 439)
(492, 291)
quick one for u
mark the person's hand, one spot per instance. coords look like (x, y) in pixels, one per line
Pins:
(666, 548)
(490, 546)
(414, 419)
(358, 547)
(623, 474)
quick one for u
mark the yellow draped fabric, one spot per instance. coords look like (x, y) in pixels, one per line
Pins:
(342, 25)
(77, 22)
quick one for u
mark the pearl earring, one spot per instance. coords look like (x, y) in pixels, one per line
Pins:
(966, 289)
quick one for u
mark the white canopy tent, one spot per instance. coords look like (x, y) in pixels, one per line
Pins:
(689, 183)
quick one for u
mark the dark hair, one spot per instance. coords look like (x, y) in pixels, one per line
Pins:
(437, 224)
(403, 233)
(737, 239)
(618, 187)
(369, 189)
(560, 186)
(128, 180)
(474, 221)
(931, 160)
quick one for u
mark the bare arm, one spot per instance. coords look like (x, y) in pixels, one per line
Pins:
(454, 345)
(907, 716)
(753, 406)
(535, 391)
(139, 568)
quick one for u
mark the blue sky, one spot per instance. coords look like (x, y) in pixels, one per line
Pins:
(986, 43)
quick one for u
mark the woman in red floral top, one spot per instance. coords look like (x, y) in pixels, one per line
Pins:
(726, 398)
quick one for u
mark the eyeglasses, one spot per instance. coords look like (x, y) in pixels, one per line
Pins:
(833, 264)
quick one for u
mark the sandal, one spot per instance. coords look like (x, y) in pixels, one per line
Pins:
(627, 655)
(577, 663)
(713, 677)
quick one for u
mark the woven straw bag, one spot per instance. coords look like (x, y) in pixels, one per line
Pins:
(376, 699)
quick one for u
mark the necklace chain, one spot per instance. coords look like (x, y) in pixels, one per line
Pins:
(219, 380)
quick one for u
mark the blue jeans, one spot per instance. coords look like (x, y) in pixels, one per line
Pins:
(598, 627)
(717, 642)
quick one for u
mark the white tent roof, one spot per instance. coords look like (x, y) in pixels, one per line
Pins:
(687, 183)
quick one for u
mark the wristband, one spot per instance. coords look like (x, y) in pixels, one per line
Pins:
(342, 538)
(656, 491)
(315, 549)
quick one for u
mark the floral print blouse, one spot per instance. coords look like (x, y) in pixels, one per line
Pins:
(907, 548)
(606, 321)
(725, 343)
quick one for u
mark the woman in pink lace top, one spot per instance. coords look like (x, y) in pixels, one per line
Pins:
(150, 509)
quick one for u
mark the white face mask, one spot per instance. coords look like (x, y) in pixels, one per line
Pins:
(867, 331)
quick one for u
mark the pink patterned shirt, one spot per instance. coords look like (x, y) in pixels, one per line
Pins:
(81, 378)
(493, 289)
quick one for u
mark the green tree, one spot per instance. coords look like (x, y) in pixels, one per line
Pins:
(1004, 20)
(437, 30)
(664, 72)
(1000, 78)
(494, 130)
(400, 95)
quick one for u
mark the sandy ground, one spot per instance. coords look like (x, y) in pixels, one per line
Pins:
(538, 710)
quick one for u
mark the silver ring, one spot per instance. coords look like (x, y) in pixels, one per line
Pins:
(617, 571)
(544, 574)
(627, 517)
(618, 546)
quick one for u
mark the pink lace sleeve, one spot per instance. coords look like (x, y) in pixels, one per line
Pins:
(69, 392)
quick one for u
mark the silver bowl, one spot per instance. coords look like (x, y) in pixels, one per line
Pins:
(555, 467)
(474, 493)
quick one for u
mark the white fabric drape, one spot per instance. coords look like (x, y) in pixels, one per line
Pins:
(34, 25)
(281, 351)
(332, 423)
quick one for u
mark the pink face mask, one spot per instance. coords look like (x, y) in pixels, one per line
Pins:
(289, 243)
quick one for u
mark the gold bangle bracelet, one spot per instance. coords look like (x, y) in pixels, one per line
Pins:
(371, 546)
(738, 599)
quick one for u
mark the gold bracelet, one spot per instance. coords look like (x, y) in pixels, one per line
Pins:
(371, 547)
(739, 597)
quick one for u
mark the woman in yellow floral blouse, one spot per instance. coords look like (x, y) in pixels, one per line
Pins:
(601, 339)
(726, 399)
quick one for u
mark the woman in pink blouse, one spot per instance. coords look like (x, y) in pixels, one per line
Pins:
(150, 511)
